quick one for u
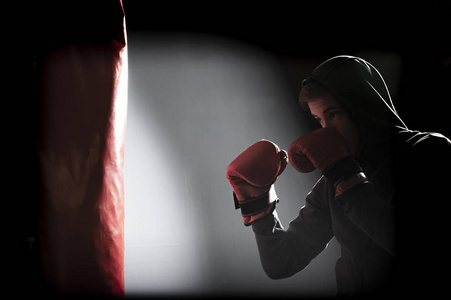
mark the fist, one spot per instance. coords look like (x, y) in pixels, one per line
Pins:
(255, 170)
(319, 149)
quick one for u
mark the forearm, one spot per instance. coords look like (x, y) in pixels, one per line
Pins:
(355, 193)
(372, 214)
(286, 252)
(277, 253)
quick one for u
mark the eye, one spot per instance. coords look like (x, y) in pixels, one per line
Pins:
(333, 114)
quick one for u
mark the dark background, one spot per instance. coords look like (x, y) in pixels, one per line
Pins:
(417, 31)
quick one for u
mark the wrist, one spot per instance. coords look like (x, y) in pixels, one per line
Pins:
(348, 183)
(256, 208)
(345, 174)
(342, 169)
(256, 204)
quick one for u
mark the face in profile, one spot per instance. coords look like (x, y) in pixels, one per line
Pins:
(329, 113)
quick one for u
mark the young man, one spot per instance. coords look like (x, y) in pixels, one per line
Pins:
(381, 194)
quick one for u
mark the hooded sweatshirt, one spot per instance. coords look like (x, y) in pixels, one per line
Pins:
(387, 228)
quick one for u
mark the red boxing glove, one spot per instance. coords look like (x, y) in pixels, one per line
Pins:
(318, 149)
(326, 150)
(252, 175)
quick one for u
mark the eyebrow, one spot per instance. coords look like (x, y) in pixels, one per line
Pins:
(327, 110)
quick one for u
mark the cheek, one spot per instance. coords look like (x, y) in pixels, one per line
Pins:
(350, 132)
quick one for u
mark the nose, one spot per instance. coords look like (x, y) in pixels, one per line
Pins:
(328, 124)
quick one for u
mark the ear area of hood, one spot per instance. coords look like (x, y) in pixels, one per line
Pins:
(358, 85)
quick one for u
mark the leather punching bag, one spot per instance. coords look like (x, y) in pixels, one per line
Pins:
(83, 104)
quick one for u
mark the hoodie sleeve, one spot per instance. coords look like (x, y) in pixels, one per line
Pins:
(373, 214)
(286, 252)
(419, 188)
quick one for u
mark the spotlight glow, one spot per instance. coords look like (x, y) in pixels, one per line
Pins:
(196, 102)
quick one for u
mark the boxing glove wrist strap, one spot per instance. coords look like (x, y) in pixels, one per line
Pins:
(256, 204)
(349, 183)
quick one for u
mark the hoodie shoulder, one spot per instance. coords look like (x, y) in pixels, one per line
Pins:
(418, 140)
(428, 152)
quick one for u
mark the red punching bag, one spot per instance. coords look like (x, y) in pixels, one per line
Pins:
(82, 110)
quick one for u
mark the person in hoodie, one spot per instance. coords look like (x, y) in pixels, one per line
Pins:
(382, 194)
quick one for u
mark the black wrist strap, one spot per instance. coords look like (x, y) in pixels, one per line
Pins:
(343, 169)
(255, 204)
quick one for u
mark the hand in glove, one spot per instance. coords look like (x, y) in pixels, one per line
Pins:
(326, 150)
(252, 175)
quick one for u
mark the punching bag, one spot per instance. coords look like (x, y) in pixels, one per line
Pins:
(80, 145)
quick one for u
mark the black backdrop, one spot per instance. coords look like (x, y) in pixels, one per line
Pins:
(417, 31)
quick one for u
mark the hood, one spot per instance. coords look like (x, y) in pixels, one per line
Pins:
(362, 91)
